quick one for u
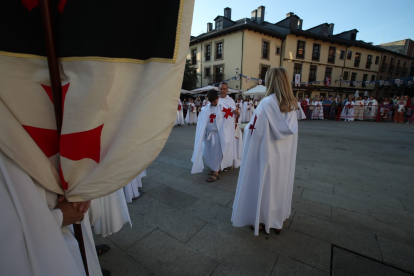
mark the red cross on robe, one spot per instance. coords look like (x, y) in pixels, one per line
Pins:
(227, 112)
(252, 127)
(212, 116)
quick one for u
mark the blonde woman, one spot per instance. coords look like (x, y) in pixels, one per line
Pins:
(264, 188)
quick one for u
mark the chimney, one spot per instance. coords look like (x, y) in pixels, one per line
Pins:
(227, 13)
(289, 14)
(209, 27)
(330, 29)
(300, 23)
(254, 15)
(260, 14)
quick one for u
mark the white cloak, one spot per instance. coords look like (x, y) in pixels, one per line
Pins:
(265, 184)
(359, 110)
(317, 110)
(225, 125)
(239, 107)
(371, 110)
(247, 114)
(114, 214)
(179, 118)
(131, 190)
(348, 111)
(31, 237)
(191, 117)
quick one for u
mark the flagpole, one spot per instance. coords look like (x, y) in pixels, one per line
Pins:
(56, 85)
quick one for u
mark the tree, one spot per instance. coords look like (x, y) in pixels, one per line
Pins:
(190, 78)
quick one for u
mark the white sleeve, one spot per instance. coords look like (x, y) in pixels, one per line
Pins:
(58, 216)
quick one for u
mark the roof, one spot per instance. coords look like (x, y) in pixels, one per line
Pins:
(318, 26)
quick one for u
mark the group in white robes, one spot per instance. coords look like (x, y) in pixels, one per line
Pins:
(317, 113)
(33, 242)
(179, 118)
(348, 111)
(371, 109)
(191, 117)
(267, 172)
(240, 108)
(132, 189)
(248, 110)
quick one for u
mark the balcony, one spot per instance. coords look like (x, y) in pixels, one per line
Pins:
(399, 69)
(331, 59)
(315, 57)
(194, 60)
(404, 71)
(368, 65)
(391, 69)
(384, 66)
(356, 63)
(207, 57)
(217, 77)
(301, 56)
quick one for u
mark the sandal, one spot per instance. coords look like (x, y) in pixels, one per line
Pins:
(213, 178)
(212, 172)
(102, 249)
(225, 170)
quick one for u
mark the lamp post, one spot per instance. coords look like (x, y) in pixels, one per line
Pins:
(237, 72)
(340, 85)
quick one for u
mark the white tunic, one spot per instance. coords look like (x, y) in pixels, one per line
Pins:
(359, 110)
(179, 118)
(191, 117)
(212, 152)
(265, 184)
(317, 110)
(247, 111)
(131, 190)
(348, 111)
(32, 241)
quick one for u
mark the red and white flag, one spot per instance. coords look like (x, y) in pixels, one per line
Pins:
(113, 74)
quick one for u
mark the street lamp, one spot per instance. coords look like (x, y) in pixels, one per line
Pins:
(340, 85)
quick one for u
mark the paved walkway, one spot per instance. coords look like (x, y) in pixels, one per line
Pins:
(353, 211)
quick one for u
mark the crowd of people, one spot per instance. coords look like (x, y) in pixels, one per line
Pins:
(396, 109)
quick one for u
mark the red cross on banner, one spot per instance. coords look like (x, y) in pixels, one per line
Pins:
(31, 4)
(73, 146)
(227, 112)
(252, 127)
(212, 116)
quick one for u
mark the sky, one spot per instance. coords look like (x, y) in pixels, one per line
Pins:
(378, 21)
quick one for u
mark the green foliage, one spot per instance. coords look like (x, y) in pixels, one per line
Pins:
(190, 78)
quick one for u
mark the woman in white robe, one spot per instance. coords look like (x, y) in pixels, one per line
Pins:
(348, 111)
(317, 113)
(371, 110)
(265, 185)
(359, 109)
(191, 117)
(179, 118)
(247, 110)
(131, 190)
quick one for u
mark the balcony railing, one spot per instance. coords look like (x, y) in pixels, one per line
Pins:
(207, 58)
(368, 65)
(356, 63)
(193, 60)
(331, 59)
(384, 66)
(405, 71)
(217, 77)
(391, 69)
(399, 68)
(315, 57)
(300, 55)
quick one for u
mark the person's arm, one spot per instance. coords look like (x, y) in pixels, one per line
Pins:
(72, 212)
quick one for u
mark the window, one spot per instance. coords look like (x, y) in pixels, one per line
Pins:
(219, 50)
(312, 73)
(373, 78)
(380, 77)
(300, 52)
(346, 75)
(391, 68)
(297, 70)
(218, 74)
(263, 71)
(208, 52)
(364, 79)
(384, 65)
(219, 25)
(342, 54)
(328, 72)
(357, 59)
(404, 70)
(316, 51)
(398, 67)
(369, 62)
(193, 56)
(349, 55)
(331, 54)
(353, 36)
(353, 78)
(207, 72)
(265, 49)
(277, 50)
(377, 59)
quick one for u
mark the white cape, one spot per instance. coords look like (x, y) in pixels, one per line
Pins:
(265, 185)
(131, 190)
(32, 241)
(179, 118)
(191, 117)
(225, 125)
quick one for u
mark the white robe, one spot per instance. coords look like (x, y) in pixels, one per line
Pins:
(348, 111)
(359, 110)
(265, 184)
(191, 117)
(32, 240)
(247, 113)
(317, 112)
(371, 110)
(132, 189)
(179, 118)
(114, 214)
(225, 125)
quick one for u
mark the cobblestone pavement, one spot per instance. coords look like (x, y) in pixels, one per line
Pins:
(353, 211)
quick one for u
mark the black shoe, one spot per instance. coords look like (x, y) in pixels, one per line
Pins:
(278, 231)
(106, 272)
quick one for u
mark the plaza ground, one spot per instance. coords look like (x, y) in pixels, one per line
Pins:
(353, 211)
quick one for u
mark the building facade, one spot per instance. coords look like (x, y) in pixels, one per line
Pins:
(328, 63)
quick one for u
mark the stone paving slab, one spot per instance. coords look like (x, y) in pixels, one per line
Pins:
(353, 188)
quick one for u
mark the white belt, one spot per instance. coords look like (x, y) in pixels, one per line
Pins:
(209, 134)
